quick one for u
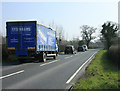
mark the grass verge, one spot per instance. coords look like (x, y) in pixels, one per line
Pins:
(100, 74)
(61, 53)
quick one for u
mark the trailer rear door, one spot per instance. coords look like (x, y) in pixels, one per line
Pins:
(21, 37)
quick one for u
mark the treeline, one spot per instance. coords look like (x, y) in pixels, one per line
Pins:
(114, 54)
(110, 38)
(4, 49)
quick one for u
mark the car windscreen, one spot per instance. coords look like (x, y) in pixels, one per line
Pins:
(68, 48)
(84, 46)
(80, 48)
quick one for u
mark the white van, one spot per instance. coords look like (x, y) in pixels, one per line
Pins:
(85, 47)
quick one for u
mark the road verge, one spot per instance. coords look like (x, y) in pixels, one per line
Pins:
(79, 73)
(100, 74)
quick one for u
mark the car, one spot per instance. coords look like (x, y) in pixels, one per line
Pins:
(85, 47)
(81, 48)
(69, 49)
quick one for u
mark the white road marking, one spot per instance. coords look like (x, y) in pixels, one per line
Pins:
(12, 74)
(48, 63)
(70, 79)
(78, 53)
(71, 56)
(67, 57)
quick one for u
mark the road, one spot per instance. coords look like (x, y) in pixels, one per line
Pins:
(53, 74)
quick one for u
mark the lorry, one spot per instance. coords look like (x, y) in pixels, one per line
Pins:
(31, 39)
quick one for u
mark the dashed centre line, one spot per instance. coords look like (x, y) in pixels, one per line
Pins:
(48, 63)
(71, 56)
(12, 74)
(67, 57)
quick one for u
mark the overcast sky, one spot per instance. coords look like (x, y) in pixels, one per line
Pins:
(70, 15)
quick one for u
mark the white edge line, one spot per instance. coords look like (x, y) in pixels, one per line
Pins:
(78, 70)
(48, 63)
(12, 74)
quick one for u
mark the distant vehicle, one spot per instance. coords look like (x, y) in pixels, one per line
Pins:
(69, 49)
(85, 47)
(81, 48)
(31, 39)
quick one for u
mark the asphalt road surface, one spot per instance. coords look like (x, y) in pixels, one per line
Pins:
(53, 74)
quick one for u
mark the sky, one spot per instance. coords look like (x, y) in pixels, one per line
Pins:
(70, 15)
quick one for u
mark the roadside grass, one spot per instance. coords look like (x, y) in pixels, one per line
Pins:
(61, 53)
(100, 74)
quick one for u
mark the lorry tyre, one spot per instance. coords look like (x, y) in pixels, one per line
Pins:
(21, 60)
(42, 57)
(54, 57)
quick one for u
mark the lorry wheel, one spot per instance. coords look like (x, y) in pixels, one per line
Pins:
(21, 60)
(54, 57)
(42, 57)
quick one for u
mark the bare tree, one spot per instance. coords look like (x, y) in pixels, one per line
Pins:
(59, 30)
(59, 33)
(87, 32)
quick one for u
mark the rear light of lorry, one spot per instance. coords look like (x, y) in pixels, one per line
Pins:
(11, 48)
(31, 47)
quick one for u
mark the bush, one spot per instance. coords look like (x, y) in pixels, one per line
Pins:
(4, 52)
(113, 54)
